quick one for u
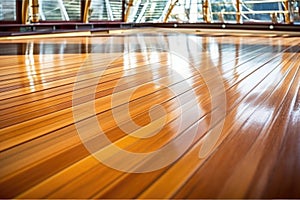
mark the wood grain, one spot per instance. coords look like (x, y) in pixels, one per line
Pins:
(255, 156)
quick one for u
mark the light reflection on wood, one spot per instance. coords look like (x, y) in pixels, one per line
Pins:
(255, 157)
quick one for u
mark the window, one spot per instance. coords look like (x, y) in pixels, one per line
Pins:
(107, 10)
(275, 11)
(60, 10)
(8, 10)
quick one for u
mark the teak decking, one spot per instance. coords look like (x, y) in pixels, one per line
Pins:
(256, 154)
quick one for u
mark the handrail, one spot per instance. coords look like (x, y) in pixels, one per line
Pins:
(251, 2)
(264, 1)
(253, 12)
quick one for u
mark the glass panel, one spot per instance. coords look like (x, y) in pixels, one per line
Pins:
(8, 10)
(274, 11)
(60, 10)
(155, 11)
(224, 10)
(263, 12)
(187, 11)
(107, 10)
(295, 11)
(149, 10)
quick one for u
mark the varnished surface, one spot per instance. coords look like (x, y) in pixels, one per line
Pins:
(256, 154)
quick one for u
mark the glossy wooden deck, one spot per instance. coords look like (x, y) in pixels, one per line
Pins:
(257, 154)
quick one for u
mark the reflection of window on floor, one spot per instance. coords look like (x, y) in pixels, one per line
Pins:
(7, 10)
(60, 10)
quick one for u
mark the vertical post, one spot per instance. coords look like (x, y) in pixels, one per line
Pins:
(298, 3)
(25, 5)
(86, 13)
(35, 11)
(206, 13)
(129, 7)
(287, 10)
(238, 12)
(123, 10)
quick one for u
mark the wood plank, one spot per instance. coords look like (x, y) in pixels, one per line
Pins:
(42, 155)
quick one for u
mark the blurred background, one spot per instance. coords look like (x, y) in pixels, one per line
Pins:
(141, 11)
